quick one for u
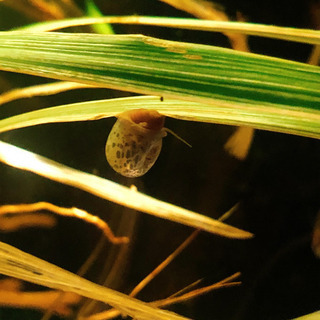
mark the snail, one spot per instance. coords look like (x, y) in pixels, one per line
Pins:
(135, 141)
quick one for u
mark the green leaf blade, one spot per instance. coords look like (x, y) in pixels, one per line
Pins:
(287, 120)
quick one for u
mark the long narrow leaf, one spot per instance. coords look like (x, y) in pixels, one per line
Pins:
(171, 69)
(18, 264)
(284, 33)
(289, 120)
(311, 316)
(112, 191)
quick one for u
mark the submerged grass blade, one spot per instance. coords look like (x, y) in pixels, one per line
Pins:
(40, 90)
(300, 121)
(18, 264)
(93, 11)
(284, 33)
(311, 316)
(170, 69)
(114, 192)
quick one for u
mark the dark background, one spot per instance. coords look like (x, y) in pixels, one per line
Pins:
(277, 187)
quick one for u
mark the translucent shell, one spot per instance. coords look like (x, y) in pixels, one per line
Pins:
(135, 142)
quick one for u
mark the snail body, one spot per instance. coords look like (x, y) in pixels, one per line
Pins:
(135, 142)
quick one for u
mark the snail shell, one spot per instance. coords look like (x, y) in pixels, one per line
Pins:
(135, 142)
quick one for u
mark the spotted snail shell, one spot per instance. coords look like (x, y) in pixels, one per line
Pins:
(135, 142)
